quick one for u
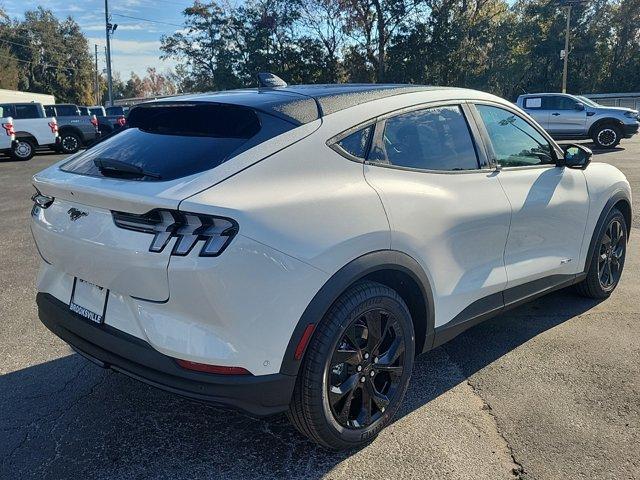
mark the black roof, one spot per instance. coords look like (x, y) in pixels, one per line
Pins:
(304, 103)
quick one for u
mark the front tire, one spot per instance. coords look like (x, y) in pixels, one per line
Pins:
(608, 259)
(607, 136)
(356, 369)
(23, 150)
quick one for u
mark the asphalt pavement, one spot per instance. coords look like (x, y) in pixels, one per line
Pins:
(550, 390)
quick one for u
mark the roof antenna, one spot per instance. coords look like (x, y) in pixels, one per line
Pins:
(269, 80)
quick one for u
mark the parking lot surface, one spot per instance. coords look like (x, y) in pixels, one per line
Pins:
(549, 390)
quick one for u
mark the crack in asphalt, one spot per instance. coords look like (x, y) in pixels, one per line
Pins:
(61, 412)
(518, 472)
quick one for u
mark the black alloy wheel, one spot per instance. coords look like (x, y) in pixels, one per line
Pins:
(356, 368)
(607, 261)
(366, 369)
(611, 254)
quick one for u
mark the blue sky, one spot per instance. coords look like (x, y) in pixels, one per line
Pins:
(136, 43)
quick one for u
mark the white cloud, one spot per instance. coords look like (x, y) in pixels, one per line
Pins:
(133, 56)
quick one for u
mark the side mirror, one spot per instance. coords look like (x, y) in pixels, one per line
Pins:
(576, 156)
(579, 106)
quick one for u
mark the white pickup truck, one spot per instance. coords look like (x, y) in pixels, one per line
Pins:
(7, 134)
(32, 128)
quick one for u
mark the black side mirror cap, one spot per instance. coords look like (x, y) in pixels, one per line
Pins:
(579, 106)
(576, 156)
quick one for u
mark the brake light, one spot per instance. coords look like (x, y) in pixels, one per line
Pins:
(121, 121)
(53, 126)
(94, 121)
(188, 229)
(219, 369)
(8, 128)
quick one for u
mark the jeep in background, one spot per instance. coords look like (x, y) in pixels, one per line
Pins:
(32, 128)
(568, 117)
(76, 130)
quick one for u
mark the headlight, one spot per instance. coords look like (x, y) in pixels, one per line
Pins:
(188, 228)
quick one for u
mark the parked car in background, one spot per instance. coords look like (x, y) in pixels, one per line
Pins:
(7, 134)
(76, 130)
(568, 117)
(107, 123)
(33, 128)
(293, 249)
(117, 110)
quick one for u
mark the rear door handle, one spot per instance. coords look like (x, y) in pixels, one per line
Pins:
(555, 114)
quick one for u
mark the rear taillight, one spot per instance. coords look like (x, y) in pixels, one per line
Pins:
(121, 121)
(94, 121)
(8, 128)
(53, 126)
(215, 233)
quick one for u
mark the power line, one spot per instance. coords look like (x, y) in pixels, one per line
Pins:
(52, 65)
(20, 44)
(148, 20)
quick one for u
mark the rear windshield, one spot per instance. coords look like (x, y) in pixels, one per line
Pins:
(165, 142)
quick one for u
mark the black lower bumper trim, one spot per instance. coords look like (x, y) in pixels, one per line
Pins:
(631, 130)
(112, 348)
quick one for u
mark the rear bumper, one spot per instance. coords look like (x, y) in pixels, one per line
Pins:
(112, 348)
(631, 130)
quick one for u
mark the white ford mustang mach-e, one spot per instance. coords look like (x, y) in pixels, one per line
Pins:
(292, 248)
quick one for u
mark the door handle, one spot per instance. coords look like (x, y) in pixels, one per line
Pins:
(555, 114)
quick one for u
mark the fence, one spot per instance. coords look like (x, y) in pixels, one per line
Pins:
(628, 100)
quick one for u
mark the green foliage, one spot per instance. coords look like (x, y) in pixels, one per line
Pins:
(53, 56)
(491, 45)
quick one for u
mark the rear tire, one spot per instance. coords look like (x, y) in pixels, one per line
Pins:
(24, 149)
(356, 369)
(607, 136)
(69, 142)
(608, 258)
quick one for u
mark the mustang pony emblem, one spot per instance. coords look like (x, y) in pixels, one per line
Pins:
(75, 214)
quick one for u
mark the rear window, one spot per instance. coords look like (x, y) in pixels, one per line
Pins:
(67, 110)
(169, 141)
(27, 111)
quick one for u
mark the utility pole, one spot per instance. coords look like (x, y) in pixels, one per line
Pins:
(566, 50)
(97, 86)
(568, 4)
(110, 29)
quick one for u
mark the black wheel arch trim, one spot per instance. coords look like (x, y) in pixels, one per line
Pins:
(26, 136)
(604, 121)
(600, 224)
(71, 129)
(353, 271)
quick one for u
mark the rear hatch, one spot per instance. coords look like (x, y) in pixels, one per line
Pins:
(168, 152)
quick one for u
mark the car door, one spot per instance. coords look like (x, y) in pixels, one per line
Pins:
(549, 203)
(533, 106)
(445, 208)
(565, 116)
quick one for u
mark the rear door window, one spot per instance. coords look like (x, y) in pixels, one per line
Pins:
(169, 141)
(430, 139)
(531, 103)
(67, 110)
(26, 111)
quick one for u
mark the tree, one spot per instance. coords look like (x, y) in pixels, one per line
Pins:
(54, 56)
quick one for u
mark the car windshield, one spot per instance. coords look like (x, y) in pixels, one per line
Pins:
(587, 101)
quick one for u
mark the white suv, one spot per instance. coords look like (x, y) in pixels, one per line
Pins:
(291, 249)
